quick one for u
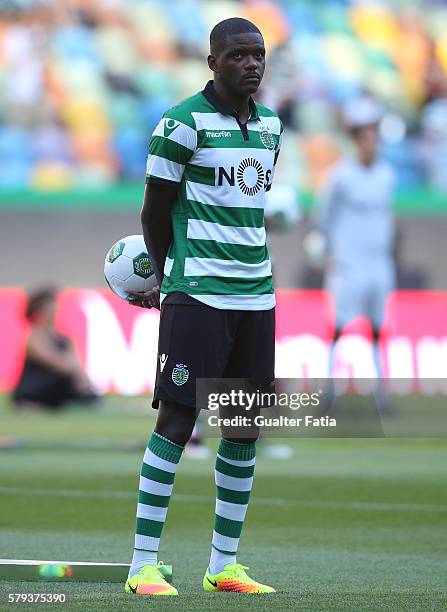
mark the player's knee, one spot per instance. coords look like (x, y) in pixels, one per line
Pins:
(338, 332)
(175, 422)
(376, 334)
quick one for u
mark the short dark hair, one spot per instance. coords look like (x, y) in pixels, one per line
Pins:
(228, 27)
(37, 299)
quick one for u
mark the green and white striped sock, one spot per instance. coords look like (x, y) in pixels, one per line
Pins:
(156, 483)
(235, 466)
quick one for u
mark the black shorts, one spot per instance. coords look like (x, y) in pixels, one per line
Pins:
(204, 342)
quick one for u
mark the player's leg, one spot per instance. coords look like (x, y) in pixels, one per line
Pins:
(164, 450)
(382, 283)
(334, 284)
(348, 289)
(348, 292)
(376, 349)
(175, 422)
(252, 357)
(186, 346)
(331, 357)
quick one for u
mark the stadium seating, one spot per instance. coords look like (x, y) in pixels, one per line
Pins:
(81, 88)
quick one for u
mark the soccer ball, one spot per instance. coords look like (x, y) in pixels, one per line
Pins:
(127, 267)
(282, 209)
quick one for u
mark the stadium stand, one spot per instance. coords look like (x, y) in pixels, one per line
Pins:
(83, 82)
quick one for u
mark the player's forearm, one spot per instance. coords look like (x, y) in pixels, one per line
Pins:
(157, 224)
(157, 236)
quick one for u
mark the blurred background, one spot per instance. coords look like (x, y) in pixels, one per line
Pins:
(82, 85)
(84, 82)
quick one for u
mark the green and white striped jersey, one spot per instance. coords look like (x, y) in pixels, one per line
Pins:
(218, 254)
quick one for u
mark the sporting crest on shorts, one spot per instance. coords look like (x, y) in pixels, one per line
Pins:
(266, 138)
(180, 374)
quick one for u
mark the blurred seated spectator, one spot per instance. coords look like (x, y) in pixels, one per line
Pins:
(52, 374)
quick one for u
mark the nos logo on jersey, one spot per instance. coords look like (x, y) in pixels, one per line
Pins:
(250, 176)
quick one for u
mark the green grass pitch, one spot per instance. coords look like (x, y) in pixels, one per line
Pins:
(343, 525)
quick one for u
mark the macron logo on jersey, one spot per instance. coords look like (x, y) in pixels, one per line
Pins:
(219, 134)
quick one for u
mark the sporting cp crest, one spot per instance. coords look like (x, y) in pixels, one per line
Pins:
(180, 374)
(267, 139)
(142, 266)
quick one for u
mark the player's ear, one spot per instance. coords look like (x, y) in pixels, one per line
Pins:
(212, 63)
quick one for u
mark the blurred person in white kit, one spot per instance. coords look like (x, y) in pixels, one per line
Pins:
(433, 124)
(355, 236)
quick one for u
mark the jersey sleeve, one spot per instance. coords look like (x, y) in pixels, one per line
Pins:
(278, 148)
(277, 151)
(172, 145)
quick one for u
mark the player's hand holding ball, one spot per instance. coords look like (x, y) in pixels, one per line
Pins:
(129, 274)
(148, 299)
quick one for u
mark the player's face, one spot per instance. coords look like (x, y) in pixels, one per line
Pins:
(47, 312)
(367, 139)
(240, 64)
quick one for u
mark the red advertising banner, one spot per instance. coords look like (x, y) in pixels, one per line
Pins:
(117, 343)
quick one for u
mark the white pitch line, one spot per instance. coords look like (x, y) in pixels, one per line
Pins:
(42, 562)
(263, 501)
(66, 493)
